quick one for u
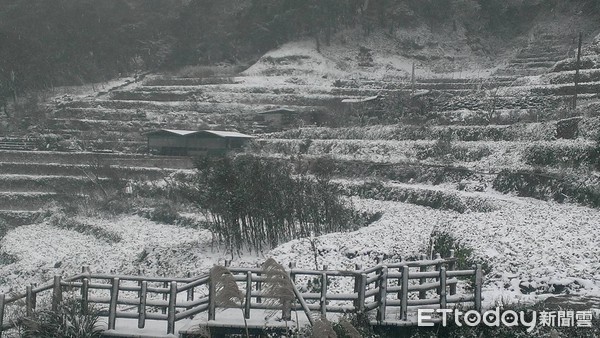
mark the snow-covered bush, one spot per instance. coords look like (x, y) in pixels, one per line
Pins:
(586, 62)
(437, 199)
(442, 242)
(61, 220)
(549, 186)
(443, 148)
(562, 154)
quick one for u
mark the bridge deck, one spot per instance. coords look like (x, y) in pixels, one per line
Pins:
(233, 320)
(127, 328)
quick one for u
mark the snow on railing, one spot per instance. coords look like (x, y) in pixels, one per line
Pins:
(397, 287)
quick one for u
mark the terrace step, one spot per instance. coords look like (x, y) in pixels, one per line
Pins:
(100, 114)
(185, 106)
(568, 89)
(105, 125)
(529, 65)
(231, 97)
(549, 58)
(56, 169)
(565, 77)
(29, 201)
(522, 71)
(47, 184)
(12, 143)
(181, 81)
(18, 218)
(83, 158)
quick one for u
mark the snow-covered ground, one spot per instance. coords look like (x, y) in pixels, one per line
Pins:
(537, 244)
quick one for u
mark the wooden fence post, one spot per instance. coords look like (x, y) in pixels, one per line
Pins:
(361, 292)
(442, 288)
(248, 300)
(212, 302)
(85, 285)
(323, 300)
(142, 307)
(478, 285)
(400, 279)
(112, 309)
(56, 293)
(382, 294)
(2, 301)
(171, 309)
(356, 302)
(28, 300)
(286, 305)
(33, 297)
(258, 285)
(404, 301)
(139, 272)
(438, 266)
(451, 267)
(422, 280)
(190, 291)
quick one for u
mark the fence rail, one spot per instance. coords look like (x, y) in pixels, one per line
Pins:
(388, 290)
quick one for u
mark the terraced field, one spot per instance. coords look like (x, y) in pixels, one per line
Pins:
(541, 53)
(33, 181)
(489, 124)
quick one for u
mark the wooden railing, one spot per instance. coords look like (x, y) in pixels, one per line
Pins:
(385, 289)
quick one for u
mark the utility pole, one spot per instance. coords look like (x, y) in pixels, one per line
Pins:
(577, 65)
(412, 80)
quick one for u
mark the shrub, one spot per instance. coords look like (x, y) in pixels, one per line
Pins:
(354, 326)
(29, 110)
(444, 149)
(542, 185)
(571, 155)
(61, 220)
(6, 259)
(70, 320)
(164, 213)
(442, 242)
(257, 203)
(586, 62)
(441, 148)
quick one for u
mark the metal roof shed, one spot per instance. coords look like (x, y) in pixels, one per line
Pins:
(194, 142)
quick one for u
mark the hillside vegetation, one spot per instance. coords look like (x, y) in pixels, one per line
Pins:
(47, 44)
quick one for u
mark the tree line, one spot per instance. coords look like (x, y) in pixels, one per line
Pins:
(65, 42)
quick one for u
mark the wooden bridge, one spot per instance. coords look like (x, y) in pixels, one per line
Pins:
(388, 293)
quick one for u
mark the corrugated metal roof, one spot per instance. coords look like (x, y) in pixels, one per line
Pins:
(227, 133)
(212, 132)
(179, 132)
